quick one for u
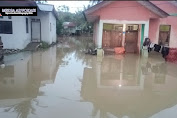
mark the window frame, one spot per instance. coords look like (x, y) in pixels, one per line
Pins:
(168, 43)
(27, 25)
(5, 28)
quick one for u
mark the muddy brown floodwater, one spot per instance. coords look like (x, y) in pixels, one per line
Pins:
(64, 82)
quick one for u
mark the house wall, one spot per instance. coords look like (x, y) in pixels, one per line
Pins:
(171, 20)
(48, 35)
(44, 18)
(94, 32)
(95, 35)
(125, 10)
(154, 29)
(100, 29)
(19, 38)
(52, 33)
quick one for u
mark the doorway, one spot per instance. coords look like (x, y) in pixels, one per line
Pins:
(112, 35)
(35, 30)
(131, 39)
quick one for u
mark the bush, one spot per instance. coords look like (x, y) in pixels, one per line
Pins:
(44, 45)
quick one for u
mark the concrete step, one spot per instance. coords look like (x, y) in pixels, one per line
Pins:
(32, 46)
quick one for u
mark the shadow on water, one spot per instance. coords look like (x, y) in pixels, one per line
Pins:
(63, 81)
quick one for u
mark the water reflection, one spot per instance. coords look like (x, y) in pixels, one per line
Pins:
(65, 82)
(129, 86)
(22, 77)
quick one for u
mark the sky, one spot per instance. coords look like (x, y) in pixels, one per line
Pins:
(73, 5)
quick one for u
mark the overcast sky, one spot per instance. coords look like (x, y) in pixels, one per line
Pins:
(73, 5)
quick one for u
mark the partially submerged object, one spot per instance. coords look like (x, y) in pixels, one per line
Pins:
(91, 51)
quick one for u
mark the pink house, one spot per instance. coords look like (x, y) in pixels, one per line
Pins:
(127, 23)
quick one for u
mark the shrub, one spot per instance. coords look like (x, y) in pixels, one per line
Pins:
(44, 45)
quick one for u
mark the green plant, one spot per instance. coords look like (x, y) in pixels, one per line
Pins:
(44, 45)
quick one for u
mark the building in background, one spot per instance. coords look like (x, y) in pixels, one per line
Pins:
(69, 28)
(17, 32)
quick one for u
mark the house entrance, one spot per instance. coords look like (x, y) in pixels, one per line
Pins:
(131, 39)
(35, 30)
(112, 36)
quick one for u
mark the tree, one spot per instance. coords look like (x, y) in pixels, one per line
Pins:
(59, 27)
(63, 8)
(41, 1)
(94, 2)
(77, 18)
(64, 16)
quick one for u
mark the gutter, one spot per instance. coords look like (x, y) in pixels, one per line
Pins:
(174, 14)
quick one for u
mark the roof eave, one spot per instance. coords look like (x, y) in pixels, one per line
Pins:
(53, 10)
(94, 8)
(154, 8)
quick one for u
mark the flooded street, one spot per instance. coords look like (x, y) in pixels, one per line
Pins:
(64, 82)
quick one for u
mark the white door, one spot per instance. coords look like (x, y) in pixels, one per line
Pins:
(36, 31)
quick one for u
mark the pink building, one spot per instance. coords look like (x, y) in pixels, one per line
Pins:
(127, 23)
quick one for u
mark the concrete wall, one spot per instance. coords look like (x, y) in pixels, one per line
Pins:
(95, 33)
(44, 18)
(19, 38)
(52, 33)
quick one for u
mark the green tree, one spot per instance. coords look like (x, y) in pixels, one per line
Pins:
(64, 16)
(94, 2)
(77, 18)
(63, 8)
(59, 27)
(41, 1)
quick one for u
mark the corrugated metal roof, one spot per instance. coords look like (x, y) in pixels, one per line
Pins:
(18, 3)
(48, 8)
(45, 7)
